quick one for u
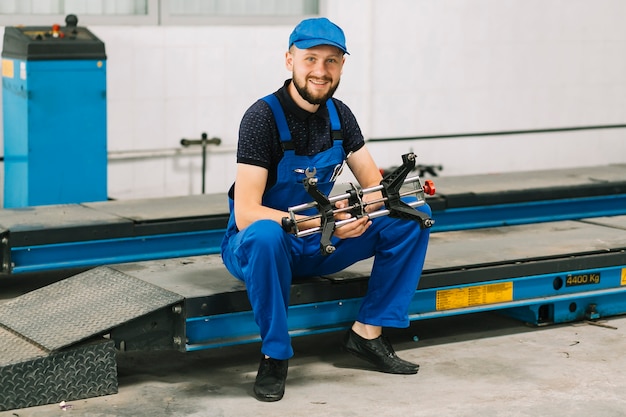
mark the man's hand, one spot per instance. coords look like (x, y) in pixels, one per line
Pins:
(352, 229)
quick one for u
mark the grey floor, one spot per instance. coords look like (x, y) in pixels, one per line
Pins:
(472, 365)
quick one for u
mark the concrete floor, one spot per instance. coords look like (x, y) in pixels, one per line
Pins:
(473, 365)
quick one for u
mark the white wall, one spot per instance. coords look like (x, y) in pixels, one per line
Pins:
(491, 65)
(417, 67)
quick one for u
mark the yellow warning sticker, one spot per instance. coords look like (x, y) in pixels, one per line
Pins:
(623, 276)
(7, 68)
(476, 295)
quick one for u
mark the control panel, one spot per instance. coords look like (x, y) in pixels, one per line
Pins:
(52, 42)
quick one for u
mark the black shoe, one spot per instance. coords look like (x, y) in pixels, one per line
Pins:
(270, 380)
(379, 353)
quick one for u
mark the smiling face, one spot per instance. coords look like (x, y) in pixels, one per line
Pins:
(316, 74)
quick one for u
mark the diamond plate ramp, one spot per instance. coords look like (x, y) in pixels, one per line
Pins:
(15, 349)
(82, 306)
(51, 345)
(30, 377)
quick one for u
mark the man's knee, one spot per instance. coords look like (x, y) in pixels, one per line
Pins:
(262, 228)
(425, 208)
(266, 236)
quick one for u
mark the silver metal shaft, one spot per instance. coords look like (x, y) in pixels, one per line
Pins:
(344, 196)
(372, 215)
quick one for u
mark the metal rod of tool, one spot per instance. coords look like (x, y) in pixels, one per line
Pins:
(344, 196)
(356, 206)
(372, 215)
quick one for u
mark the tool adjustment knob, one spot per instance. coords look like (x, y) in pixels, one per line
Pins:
(429, 187)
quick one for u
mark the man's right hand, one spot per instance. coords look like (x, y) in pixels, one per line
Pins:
(351, 229)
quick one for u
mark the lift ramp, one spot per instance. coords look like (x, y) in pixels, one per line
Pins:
(51, 339)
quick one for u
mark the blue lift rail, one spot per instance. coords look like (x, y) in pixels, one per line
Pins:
(45, 238)
(70, 255)
(464, 218)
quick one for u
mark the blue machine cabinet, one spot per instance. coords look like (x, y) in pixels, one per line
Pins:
(54, 111)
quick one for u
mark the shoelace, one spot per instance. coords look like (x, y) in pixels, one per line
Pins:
(388, 348)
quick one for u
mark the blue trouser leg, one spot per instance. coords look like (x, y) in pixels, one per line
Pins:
(398, 264)
(260, 255)
(399, 249)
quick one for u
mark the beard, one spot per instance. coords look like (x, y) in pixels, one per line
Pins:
(306, 94)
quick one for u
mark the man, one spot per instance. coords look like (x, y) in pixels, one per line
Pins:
(296, 130)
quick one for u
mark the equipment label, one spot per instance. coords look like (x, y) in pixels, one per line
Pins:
(7, 68)
(582, 279)
(623, 276)
(473, 296)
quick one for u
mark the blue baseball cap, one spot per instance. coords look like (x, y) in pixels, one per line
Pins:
(317, 31)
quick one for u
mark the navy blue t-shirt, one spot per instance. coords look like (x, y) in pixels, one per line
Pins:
(259, 141)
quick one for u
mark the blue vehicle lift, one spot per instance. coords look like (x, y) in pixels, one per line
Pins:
(42, 238)
(153, 280)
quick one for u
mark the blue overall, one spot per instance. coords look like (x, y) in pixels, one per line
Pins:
(267, 258)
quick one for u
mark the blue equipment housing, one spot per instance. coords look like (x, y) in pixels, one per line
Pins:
(54, 110)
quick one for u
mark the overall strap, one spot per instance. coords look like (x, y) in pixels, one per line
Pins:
(335, 123)
(281, 120)
(279, 117)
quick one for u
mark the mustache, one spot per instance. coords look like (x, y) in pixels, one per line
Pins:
(326, 79)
